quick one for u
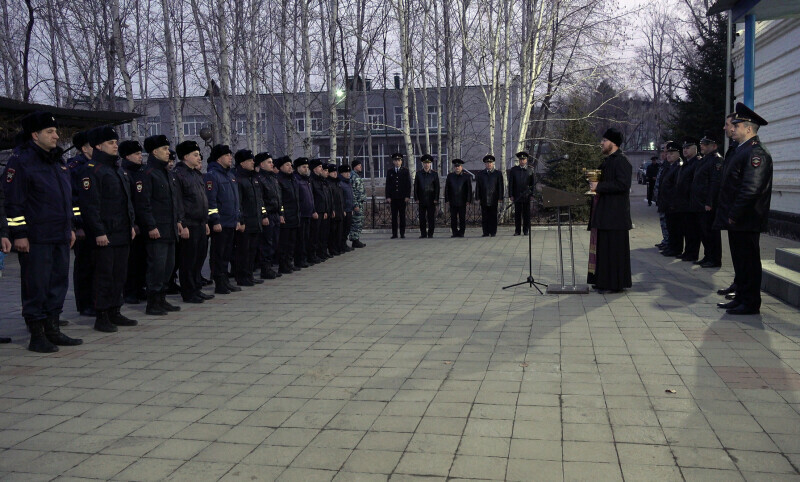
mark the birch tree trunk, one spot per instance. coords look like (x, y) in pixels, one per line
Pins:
(116, 23)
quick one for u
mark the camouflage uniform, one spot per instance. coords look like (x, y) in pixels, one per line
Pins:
(359, 198)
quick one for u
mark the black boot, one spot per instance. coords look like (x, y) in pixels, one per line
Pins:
(117, 318)
(39, 342)
(267, 273)
(103, 323)
(221, 286)
(162, 298)
(154, 305)
(53, 333)
(230, 287)
(131, 300)
(204, 296)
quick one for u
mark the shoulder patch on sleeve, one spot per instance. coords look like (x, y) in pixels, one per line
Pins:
(87, 183)
(755, 161)
(10, 172)
(139, 186)
(210, 185)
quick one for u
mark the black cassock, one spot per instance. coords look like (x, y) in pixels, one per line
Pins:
(609, 222)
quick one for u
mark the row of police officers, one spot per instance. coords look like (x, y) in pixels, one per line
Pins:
(700, 193)
(133, 225)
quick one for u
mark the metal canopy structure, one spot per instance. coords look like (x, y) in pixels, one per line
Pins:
(69, 120)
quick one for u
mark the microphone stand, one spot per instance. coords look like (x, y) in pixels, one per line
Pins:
(530, 281)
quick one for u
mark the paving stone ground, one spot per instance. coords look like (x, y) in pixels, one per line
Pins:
(407, 361)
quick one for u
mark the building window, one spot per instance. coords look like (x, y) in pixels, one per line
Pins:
(433, 117)
(150, 126)
(375, 118)
(240, 125)
(193, 124)
(316, 121)
(300, 121)
(261, 123)
(398, 116)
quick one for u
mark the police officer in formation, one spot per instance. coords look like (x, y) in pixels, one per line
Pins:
(349, 204)
(223, 215)
(290, 217)
(302, 247)
(83, 266)
(39, 212)
(520, 191)
(731, 193)
(337, 205)
(489, 192)
(426, 192)
(194, 238)
(134, 291)
(359, 202)
(458, 193)
(320, 225)
(270, 234)
(253, 216)
(398, 193)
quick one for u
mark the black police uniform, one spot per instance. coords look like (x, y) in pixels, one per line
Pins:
(83, 265)
(337, 222)
(489, 192)
(193, 252)
(290, 197)
(252, 213)
(158, 206)
(319, 226)
(398, 189)
(137, 257)
(651, 173)
(107, 210)
(666, 198)
(224, 210)
(703, 196)
(270, 234)
(458, 192)
(39, 208)
(426, 192)
(520, 189)
(303, 245)
(686, 211)
(743, 209)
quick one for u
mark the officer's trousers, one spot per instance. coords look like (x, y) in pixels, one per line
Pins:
(522, 216)
(137, 266)
(347, 223)
(712, 238)
(398, 216)
(44, 274)
(458, 216)
(110, 270)
(191, 257)
(221, 250)
(288, 236)
(324, 234)
(160, 261)
(83, 274)
(746, 257)
(314, 237)
(303, 241)
(334, 235)
(244, 255)
(489, 219)
(675, 229)
(268, 241)
(427, 219)
(693, 234)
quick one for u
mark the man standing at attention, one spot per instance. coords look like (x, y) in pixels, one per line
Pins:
(489, 192)
(398, 192)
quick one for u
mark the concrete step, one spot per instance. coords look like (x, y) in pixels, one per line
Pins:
(781, 282)
(788, 258)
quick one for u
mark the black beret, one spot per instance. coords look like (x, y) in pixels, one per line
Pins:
(344, 168)
(331, 167)
(154, 142)
(218, 151)
(262, 156)
(690, 141)
(742, 113)
(243, 155)
(314, 163)
(38, 121)
(426, 158)
(522, 155)
(457, 162)
(488, 158)
(282, 160)
(397, 155)
(355, 163)
(673, 146)
(186, 147)
(614, 135)
(126, 148)
(709, 137)
(102, 134)
(80, 139)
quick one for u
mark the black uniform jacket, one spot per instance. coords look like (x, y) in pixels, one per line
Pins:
(156, 201)
(106, 200)
(489, 187)
(520, 180)
(652, 171)
(250, 200)
(702, 195)
(337, 196)
(613, 210)
(398, 184)
(458, 189)
(426, 187)
(666, 190)
(270, 191)
(746, 189)
(681, 201)
(290, 196)
(192, 191)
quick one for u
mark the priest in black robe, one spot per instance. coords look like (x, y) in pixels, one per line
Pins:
(610, 219)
